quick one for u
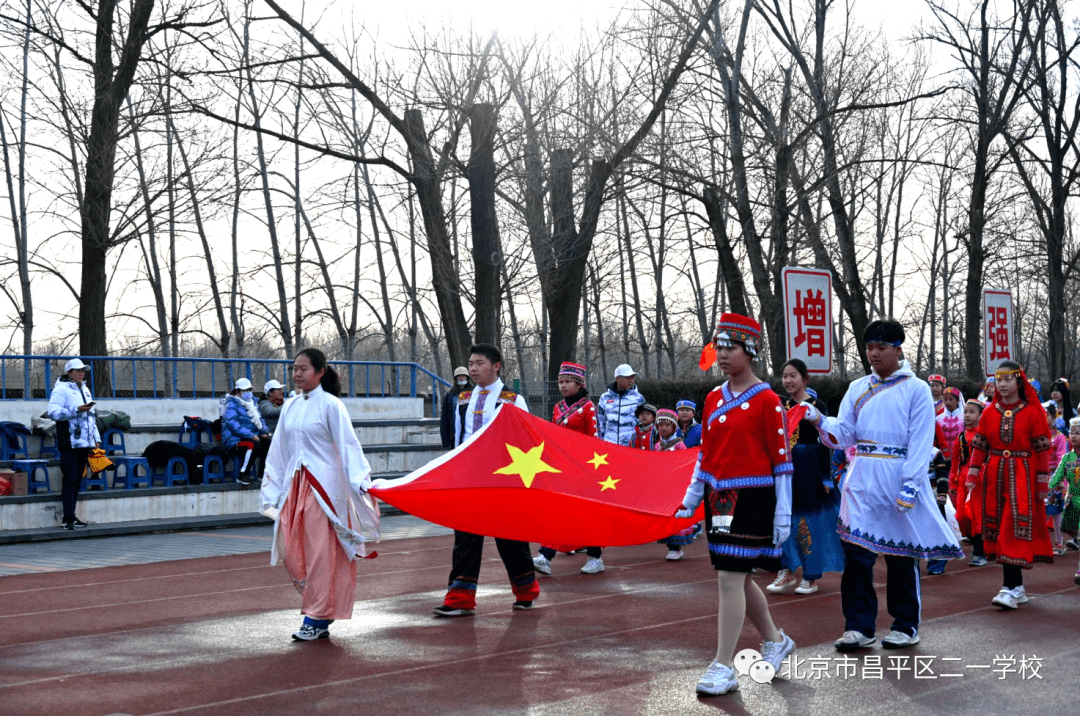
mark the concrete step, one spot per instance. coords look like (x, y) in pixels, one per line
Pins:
(222, 502)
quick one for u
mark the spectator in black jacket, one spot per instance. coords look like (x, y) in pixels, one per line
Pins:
(450, 404)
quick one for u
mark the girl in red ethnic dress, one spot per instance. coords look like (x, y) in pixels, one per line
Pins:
(576, 412)
(1010, 463)
(744, 475)
(967, 502)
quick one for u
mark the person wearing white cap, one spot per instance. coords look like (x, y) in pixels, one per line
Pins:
(71, 405)
(270, 406)
(243, 429)
(616, 410)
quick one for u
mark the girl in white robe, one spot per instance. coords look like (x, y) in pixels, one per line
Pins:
(315, 485)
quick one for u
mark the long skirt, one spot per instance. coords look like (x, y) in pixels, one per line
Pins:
(319, 567)
(1070, 517)
(814, 544)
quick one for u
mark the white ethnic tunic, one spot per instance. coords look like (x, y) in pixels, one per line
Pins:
(891, 424)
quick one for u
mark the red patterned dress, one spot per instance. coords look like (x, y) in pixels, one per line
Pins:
(968, 503)
(1010, 467)
(577, 414)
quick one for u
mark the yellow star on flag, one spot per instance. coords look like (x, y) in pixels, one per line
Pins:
(597, 460)
(608, 484)
(526, 464)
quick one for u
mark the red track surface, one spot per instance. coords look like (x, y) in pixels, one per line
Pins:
(211, 636)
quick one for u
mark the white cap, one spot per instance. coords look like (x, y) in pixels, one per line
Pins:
(75, 364)
(272, 385)
(624, 371)
(243, 384)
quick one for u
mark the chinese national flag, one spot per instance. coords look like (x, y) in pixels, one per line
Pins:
(526, 479)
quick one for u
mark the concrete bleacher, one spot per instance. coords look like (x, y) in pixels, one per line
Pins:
(396, 437)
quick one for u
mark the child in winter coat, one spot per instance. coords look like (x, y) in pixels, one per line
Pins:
(645, 435)
(669, 438)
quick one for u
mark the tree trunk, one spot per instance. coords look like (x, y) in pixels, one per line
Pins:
(486, 246)
(111, 85)
(283, 323)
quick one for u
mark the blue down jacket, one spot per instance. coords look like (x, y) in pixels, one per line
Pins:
(237, 423)
(615, 417)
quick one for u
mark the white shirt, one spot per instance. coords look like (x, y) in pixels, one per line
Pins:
(491, 402)
(315, 432)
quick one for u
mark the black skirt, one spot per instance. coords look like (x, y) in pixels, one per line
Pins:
(749, 543)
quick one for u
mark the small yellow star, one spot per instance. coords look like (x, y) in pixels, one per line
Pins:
(608, 484)
(526, 464)
(598, 460)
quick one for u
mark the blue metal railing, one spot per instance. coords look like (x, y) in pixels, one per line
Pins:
(148, 377)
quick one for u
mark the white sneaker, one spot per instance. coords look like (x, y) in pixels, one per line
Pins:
(785, 578)
(595, 565)
(775, 652)
(541, 564)
(674, 556)
(718, 679)
(853, 641)
(899, 640)
(806, 587)
(1009, 598)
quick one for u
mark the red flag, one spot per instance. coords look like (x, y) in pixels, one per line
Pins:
(524, 478)
(793, 416)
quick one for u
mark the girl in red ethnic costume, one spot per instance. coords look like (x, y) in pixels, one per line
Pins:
(668, 438)
(967, 502)
(744, 476)
(1010, 463)
(576, 412)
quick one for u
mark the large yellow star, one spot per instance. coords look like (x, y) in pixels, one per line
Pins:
(597, 460)
(608, 484)
(526, 464)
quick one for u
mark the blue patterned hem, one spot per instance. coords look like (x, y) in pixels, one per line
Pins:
(724, 549)
(901, 549)
(784, 468)
(463, 585)
(734, 483)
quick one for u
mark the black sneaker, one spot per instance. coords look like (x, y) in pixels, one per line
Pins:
(245, 481)
(68, 526)
(79, 523)
(445, 610)
(523, 605)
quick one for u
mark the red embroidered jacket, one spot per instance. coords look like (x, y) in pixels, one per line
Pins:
(744, 441)
(579, 417)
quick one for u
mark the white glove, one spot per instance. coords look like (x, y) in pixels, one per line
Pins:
(780, 532)
(685, 513)
(812, 413)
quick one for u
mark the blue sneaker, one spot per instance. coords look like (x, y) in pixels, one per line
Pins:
(935, 566)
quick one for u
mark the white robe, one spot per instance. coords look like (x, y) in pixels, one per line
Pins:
(894, 431)
(315, 432)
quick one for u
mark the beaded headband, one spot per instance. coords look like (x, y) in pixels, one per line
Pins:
(978, 403)
(1001, 374)
(954, 391)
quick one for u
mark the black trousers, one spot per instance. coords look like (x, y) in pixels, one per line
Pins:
(72, 466)
(859, 600)
(465, 572)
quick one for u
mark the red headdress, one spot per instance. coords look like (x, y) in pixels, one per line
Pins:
(732, 327)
